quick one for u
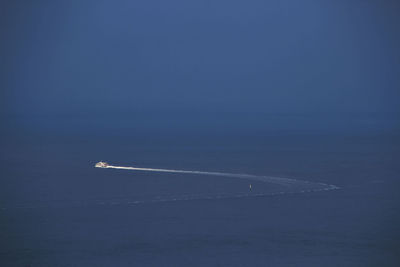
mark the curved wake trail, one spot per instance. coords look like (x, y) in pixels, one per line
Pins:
(287, 182)
(286, 185)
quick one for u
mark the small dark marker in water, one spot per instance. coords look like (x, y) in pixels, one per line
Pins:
(250, 187)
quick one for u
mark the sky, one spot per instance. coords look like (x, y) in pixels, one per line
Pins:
(180, 62)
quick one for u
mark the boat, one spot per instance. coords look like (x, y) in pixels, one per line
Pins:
(101, 164)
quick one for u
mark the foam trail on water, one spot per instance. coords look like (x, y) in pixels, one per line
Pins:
(288, 185)
(289, 182)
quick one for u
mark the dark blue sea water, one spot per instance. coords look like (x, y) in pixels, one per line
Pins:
(58, 210)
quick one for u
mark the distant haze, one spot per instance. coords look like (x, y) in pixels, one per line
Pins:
(151, 60)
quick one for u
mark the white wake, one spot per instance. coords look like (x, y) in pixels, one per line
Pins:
(267, 179)
(287, 182)
(286, 186)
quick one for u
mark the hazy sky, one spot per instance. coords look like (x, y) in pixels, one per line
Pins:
(93, 58)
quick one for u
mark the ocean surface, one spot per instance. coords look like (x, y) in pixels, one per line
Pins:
(56, 209)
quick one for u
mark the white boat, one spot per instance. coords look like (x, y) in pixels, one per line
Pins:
(101, 164)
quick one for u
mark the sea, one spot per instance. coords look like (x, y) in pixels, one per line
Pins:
(57, 209)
